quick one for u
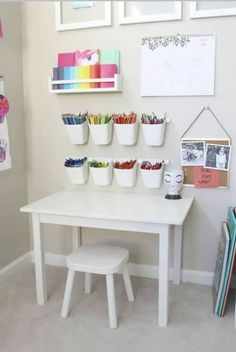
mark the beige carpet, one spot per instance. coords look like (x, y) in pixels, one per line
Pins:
(26, 327)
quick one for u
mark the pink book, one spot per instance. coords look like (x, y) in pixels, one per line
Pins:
(66, 59)
(108, 71)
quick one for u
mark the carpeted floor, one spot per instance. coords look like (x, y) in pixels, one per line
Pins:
(26, 327)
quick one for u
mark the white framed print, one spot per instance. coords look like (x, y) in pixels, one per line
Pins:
(149, 11)
(69, 16)
(201, 9)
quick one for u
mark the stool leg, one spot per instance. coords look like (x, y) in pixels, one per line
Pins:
(67, 295)
(88, 283)
(128, 285)
(111, 301)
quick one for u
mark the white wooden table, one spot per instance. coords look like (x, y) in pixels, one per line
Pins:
(117, 211)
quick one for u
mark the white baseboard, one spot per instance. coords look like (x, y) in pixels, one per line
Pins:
(140, 270)
(143, 270)
(191, 276)
(15, 266)
(55, 259)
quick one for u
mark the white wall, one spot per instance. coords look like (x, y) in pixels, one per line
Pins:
(47, 143)
(14, 232)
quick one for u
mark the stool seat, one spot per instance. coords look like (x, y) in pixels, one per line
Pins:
(94, 259)
(98, 259)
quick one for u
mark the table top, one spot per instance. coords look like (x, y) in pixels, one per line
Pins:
(137, 207)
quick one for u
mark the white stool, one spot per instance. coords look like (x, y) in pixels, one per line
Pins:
(104, 260)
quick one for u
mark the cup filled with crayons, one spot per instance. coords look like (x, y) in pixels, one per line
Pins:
(153, 129)
(77, 169)
(125, 172)
(100, 127)
(77, 127)
(101, 171)
(152, 172)
(126, 127)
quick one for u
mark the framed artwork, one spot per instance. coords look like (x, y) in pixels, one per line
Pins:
(149, 11)
(5, 156)
(201, 9)
(71, 15)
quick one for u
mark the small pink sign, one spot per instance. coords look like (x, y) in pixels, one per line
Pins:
(205, 178)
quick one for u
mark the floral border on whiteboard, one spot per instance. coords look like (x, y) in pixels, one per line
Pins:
(106, 21)
(195, 13)
(171, 16)
(155, 42)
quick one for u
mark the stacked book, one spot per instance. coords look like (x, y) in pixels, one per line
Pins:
(85, 65)
(225, 263)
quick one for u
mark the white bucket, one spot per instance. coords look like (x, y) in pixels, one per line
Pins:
(78, 175)
(78, 134)
(102, 176)
(126, 177)
(154, 134)
(101, 133)
(127, 133)
(152, 178)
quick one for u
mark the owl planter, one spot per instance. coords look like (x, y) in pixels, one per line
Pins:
(174, 181)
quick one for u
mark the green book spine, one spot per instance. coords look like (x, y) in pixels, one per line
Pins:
(110, 57)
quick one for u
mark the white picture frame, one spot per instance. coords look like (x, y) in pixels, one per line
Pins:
(175, 15)
(194, 12)
(106, 21)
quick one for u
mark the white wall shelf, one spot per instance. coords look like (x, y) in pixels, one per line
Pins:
(117, 80)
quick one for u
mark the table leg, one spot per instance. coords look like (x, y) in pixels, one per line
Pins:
(177, 254)
(39, 261)
(163, 275)
(76, 237)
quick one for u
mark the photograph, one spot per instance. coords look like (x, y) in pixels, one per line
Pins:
(192, 153)
(217, 156)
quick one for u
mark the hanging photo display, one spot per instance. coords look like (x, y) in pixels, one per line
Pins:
(5, 157)
(206, 161)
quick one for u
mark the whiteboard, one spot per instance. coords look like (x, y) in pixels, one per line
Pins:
(178, 65)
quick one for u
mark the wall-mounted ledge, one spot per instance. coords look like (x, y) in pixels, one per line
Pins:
(117, 80)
